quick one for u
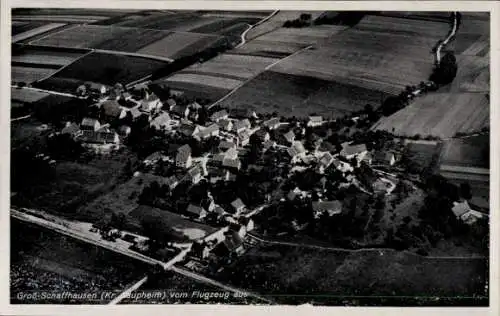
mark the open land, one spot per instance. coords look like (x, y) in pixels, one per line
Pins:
(44, 260)
(324, 276)
(439, 114)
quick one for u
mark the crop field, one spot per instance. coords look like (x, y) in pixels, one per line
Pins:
(197, 90)
(26, 95)
(180, 44)
(29, 74)
(203, 80)
(473, 36)
(277, 21)
(473, 74)
(132, 40)
(45, 27)
(298, 275)
(44, 56)
(66, 15)
(422, 152)
(178, 228)
(300, 96)
(44, 260)
(439, 114)
(302, 36)
(232, 66)
(109, 69)
(267, 49)
(19, 27)
(467, 152)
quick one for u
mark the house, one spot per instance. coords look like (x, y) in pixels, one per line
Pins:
(241, 230)
(315, 121)
(161, 122)
(262, 135)
(170, 104)
(71, 129)
(248, 223)
(238, 206)
(113, 109)
(326, 207)
(271, 124)
(358, 151)
(210, 131)
(183, 158)
(150, 103)
(231, 163)
(368, 158)
(196, 211)
(342, 166)
(89, 124)
(243, 138)
(225, 145)
(172, 182)
(296, 151)
(289, 137)
(195, 174)
(324, 162)
(384, 158)
(231, 153)
(463, 211)
(219, 115)
(103, 135)
(241, 125)
(243, 112)
(181, 111)
(125, 130)
(225, 124)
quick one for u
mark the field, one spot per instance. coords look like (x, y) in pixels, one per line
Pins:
(44, 56)
(29, 74)
(123, 199)
(301, 96)
(203, 80)
(31, 29)
(66, 15)
(179, 44)
(297, 275)
(422, 153)
(26, 95)
(44, 260)
(439, 114)
(174, 224)
(109, 69)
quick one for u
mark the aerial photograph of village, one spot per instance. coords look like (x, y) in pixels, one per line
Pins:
(331, 158)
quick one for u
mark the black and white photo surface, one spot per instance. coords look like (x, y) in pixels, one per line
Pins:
(259, 157)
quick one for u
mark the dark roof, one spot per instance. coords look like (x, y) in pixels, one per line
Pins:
(238, 203)
(353, 149)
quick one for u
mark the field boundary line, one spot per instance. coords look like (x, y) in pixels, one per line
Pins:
(254, 76)
(243, 39)
(50, 34)
(63, 67)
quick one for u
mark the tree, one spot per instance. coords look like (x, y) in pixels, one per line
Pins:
(446, 71)
(465, 191)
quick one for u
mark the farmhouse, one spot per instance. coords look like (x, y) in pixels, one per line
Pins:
(238, 206)
(231, 163)
(262, 135)
(358, 151)
(326, 207)
(463, 211)
(170, 104)
(271, 124)
(243, 138)
(225, 145)
(89, 124)
(324, 162)
(384, 158)
(194, 174)
(219, 115)
(315, 121)
(151, 103)
(183, 158)
(196, 211)
(181, 111)
(225, 125)
(296, 151)
(289, 137)
(102, 136)
(210, 131)
(241, 126)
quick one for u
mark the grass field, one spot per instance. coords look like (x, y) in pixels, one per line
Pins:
(179, 44)
(26, 95)
(295, 275)
(109, 69)
(29, 74)
(439, 114)
(179, 228)
(467, 152)
(204, 80)
(44, 260)
(123, 199)
(301, 95)
(44, 56)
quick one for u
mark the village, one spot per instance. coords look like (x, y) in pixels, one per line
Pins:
(235, 170)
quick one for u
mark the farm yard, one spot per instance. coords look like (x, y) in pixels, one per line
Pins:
(103, 68)
(44, 260)
(291, 95)
(325, 277)
(170, 224)
(439, 114)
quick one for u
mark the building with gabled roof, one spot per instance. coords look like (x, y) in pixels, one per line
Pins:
(238, 205)
(219, 115)
(272, 123)
(225, 124)
(209, 131)
(161, 122)
(90, 124)
(151, 103)
(384, 158)
(315, 121)
(183, 158)
(241, 125)
(196, 211)
(195, 173)
(71, 129)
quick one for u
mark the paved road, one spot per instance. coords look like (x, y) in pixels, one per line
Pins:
(447, 39)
